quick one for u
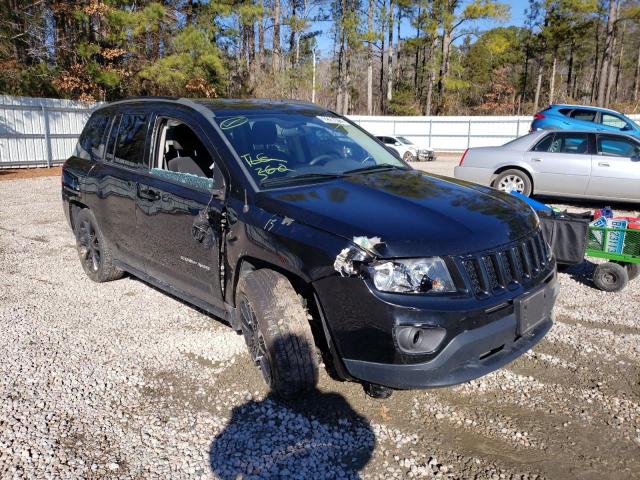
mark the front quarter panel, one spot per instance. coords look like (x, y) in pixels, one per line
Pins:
(257, 235)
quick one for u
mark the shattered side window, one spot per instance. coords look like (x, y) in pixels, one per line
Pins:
(181, 156)
(188, 179)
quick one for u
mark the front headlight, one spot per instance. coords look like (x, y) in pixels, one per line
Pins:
(412, 276)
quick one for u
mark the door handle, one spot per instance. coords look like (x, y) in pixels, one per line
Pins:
(603, 164)
(148, 193)
(536, 159)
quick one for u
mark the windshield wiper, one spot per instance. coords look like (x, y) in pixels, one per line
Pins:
(297, 178)
(375, 168)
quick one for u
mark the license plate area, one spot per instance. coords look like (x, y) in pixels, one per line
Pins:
(533, 308)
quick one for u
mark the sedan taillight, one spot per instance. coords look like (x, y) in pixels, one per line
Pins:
(462, 158)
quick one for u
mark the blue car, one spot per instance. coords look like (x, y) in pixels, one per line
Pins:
(576, 117)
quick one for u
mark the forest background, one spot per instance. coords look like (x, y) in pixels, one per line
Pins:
(376, 57)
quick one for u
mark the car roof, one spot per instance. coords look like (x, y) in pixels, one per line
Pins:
(590, 107)
(223, 107)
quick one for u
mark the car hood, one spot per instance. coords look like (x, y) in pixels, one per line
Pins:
(414, 214)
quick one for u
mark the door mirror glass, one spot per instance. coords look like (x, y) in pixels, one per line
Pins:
(397, 144)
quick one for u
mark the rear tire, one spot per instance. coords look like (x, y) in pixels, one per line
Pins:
(513, 179)
(610, 277)
(93, 249)
(277, 332)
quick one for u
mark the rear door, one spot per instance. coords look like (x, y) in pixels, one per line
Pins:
(616, 168)
(112, 183)
(561, 162)
(179, 204)
(583, 118)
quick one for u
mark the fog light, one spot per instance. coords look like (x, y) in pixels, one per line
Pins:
(419, 339)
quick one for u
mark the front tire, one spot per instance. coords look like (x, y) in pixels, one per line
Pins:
(277, 332)
(513, 179)
(610, 277)
(94, 251)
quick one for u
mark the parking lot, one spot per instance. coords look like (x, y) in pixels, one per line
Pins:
(122, 380)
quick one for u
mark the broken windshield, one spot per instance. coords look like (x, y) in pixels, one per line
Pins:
(277, 145)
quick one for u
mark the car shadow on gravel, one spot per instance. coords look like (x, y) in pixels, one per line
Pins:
(319, 436)
(581, 272)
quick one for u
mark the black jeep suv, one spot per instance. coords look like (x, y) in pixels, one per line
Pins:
(306, 234)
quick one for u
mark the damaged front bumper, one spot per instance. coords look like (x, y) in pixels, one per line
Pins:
(481, 335)
(469, 355)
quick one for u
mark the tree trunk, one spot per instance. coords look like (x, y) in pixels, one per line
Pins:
(444, 68)
(347, 81)
(536, 99)
(340, 93)
(416, 62)
(292, 34)
(552, 80)
(276, 36)
(594, 77)
(636, 79)
(390, 58)
(612, 68)
(370, 59)
(619, 66)
(383, 62)
(605, 67)
(261, 36)
(397, 69)
(570, 71)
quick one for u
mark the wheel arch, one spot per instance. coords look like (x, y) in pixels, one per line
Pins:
(247, 264)
(74, 208)
(306, 290)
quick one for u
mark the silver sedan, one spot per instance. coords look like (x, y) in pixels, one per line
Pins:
(563, 163)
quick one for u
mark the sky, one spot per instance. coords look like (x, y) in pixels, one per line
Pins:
(325, 40)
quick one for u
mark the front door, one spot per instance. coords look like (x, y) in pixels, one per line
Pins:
(616, 168)
(179, 209)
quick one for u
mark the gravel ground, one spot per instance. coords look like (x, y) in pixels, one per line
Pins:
(122, 380)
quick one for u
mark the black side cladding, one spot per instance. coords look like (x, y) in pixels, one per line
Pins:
(566, 233)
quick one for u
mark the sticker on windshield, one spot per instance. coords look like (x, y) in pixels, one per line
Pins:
(233, 122)
(332, 120)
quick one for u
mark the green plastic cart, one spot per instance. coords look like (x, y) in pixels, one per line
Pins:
(622, 248)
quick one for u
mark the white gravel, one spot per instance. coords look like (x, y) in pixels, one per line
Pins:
(122, 380)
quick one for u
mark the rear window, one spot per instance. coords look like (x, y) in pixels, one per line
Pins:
(584, 115)
(91, 144)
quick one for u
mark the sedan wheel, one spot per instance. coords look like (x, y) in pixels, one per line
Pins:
(513, 181)
(409, 157)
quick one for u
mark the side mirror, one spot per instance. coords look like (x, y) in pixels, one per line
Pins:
(397, 144)
(626, 128)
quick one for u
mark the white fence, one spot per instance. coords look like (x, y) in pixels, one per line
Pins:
(43, 131)
(39, 131)
(451, 133)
